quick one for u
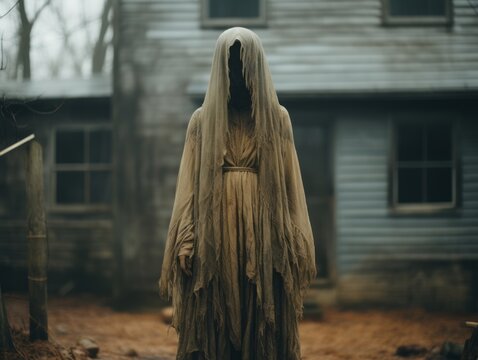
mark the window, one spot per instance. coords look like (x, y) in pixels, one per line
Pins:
(82, 167)
(226, 13)
(424, 165)
(409, 12)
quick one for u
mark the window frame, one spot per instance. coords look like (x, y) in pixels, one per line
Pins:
(446, 19)
(424, 208)
(208, 22)
(82, 167)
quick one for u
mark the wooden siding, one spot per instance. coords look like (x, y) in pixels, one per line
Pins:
(332, 46)
(94, 87)
(79, 254)
(401, 259)
(323, 47)
(80, 243)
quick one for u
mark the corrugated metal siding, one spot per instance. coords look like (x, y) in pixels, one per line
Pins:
(380, 255)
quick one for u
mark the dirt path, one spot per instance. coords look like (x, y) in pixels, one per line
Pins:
(371, 334)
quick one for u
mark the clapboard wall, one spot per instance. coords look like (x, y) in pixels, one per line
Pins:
(428, 259)
(80, 243)
(314, 47)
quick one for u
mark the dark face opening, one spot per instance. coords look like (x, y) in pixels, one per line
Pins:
(240, 95)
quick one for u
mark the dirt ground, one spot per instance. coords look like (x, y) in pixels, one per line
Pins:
(341, 334)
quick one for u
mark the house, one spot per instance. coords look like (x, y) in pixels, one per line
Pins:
(382, 96)
(72, 121)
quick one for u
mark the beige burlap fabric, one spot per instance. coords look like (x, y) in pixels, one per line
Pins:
(247, 233)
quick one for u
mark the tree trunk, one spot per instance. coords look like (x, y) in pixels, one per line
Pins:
(37, 244)
(6, 343)
(24, 32)
(99, 51)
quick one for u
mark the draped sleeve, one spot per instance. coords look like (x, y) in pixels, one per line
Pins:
(298, 206)
(180, 236)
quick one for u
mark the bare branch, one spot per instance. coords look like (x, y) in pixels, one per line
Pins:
(10, 126)
(25, 30)
(40, 9)
(69, 47)
(23, 13)
(8, 11)
(99, 51)
(3, 60)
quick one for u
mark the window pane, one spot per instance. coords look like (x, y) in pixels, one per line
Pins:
(439, 142)
(70, 146)
(410, 142)
(70, 187)
(439, 185)
(417, 7)
(233, 8)
(100, 146)
(410, 185)
(100, 190)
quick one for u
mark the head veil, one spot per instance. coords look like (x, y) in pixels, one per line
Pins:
(266, 113)
(284, 232)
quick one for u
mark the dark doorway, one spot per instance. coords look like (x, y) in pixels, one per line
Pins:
(313, 141)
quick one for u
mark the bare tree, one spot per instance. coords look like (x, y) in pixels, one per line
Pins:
(68, 45)
(98, 48)
(25, 31)
(3, 62)
(85, 41)
(101, 45)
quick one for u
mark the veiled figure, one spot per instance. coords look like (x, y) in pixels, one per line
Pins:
(240, 252)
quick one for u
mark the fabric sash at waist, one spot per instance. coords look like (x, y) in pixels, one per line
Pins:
(239, 168)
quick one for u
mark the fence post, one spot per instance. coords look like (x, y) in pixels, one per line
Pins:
(37, 243)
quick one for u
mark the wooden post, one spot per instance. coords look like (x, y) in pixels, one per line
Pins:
(37, 243)
(470, 349)
(6, 343)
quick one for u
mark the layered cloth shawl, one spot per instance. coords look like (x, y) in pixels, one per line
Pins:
(284, 240)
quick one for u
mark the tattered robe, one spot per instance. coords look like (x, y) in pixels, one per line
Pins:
(247, 231)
